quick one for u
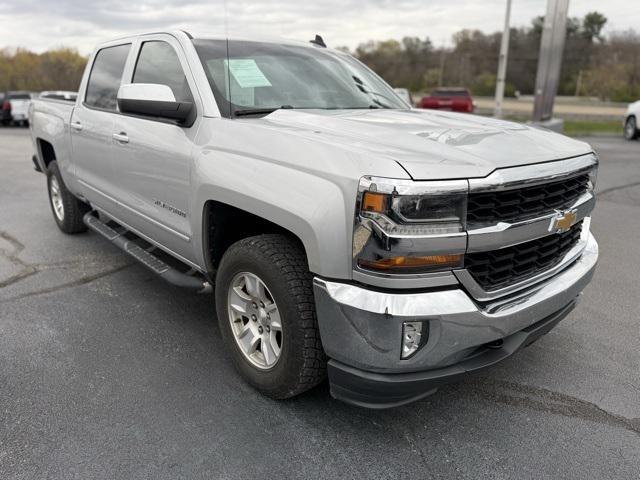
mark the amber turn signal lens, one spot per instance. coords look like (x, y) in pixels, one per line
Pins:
(374, 202)
(412, 263)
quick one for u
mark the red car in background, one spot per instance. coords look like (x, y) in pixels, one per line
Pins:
(453, 99)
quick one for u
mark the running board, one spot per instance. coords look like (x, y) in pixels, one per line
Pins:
(153, 263)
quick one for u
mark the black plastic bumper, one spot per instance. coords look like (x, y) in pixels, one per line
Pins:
(380, 390)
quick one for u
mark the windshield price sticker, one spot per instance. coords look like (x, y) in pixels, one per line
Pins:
(247, 73)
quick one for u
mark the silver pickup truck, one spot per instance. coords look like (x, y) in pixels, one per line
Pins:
(344, 233)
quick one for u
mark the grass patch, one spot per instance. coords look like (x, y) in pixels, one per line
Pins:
(578, 128)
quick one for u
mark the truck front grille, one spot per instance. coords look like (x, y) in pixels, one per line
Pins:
(506, 266)
(526, 202)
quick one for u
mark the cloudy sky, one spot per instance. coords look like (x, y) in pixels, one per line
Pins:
(43, 24)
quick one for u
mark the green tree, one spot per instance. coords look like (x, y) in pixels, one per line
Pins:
(592, 26)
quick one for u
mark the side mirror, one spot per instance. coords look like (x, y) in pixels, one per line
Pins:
(156, 101)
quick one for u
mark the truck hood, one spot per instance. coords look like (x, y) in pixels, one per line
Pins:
(430, 145)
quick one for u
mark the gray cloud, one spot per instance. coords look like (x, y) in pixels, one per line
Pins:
(42, 24)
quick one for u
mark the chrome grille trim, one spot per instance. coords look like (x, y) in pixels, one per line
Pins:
(536, 174)
(505, 234)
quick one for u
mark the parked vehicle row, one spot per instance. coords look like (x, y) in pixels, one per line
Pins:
(14, 105)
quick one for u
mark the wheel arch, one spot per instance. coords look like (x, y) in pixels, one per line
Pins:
(46, 153)
(224, 224)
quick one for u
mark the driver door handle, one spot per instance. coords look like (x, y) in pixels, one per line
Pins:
(77, 126)
(120, 137)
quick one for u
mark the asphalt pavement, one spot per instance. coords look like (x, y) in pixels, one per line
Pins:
(108, 372)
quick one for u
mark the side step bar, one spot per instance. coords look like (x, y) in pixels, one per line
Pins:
(153, 263)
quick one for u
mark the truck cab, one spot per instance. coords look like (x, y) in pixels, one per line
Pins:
(344, 233)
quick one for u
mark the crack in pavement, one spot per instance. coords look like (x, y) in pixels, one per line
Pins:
(74, 283)
(548, 401)
(26, 269)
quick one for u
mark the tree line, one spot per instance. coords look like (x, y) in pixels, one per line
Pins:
(59, 69)
(608, 68)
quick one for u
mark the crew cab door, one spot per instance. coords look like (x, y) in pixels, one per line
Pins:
(152, 156)
(92, 123)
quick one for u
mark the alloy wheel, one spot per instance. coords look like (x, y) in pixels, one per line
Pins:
(255, 320)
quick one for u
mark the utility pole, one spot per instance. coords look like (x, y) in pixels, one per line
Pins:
(554, 31)
(441, 72)
(502, 61)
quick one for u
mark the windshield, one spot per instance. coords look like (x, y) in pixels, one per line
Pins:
(255, 78)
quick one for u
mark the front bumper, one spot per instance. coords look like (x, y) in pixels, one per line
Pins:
(361, 332)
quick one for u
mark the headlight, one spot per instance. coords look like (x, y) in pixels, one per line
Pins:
(415, 214)
(406, 227)
(593, 178)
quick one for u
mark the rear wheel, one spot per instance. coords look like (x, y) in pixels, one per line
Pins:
(631, 129)
(266, 313)
(67, 209)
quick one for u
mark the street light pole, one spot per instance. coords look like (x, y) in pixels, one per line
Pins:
(502, 61)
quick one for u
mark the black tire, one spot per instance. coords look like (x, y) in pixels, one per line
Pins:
(631, 131)
(73, 209)
(280, 262)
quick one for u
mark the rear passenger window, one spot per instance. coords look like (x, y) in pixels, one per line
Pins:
(105, 77)
(158, 63)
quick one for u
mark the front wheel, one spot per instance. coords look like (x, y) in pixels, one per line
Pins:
(631, 129)
(266, 313)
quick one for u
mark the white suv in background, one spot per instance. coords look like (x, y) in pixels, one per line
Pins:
(631, 120)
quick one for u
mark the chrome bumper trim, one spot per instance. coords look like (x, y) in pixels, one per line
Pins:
(362, 327)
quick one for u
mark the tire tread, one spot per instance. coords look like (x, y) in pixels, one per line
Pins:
(288, 256)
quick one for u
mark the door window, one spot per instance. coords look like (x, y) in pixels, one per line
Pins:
(158, 63)
(105, 77)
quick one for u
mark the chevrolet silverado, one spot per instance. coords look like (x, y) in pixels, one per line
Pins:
(344, 233)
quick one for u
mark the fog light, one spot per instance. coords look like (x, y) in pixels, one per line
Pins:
(414, 335)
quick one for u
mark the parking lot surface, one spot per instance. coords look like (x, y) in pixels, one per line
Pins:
(107, 372)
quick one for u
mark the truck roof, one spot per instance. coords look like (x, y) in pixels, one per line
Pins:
(214, 36)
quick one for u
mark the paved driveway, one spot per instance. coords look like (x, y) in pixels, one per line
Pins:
(107, 372)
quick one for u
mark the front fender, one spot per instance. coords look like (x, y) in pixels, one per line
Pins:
(318, 211)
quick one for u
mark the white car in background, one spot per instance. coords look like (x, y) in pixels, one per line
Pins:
(16, 108)
(632, 121)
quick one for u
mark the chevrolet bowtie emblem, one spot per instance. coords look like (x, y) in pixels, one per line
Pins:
(563, 221)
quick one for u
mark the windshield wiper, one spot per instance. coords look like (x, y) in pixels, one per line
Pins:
(258, 111)
(363, 88)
